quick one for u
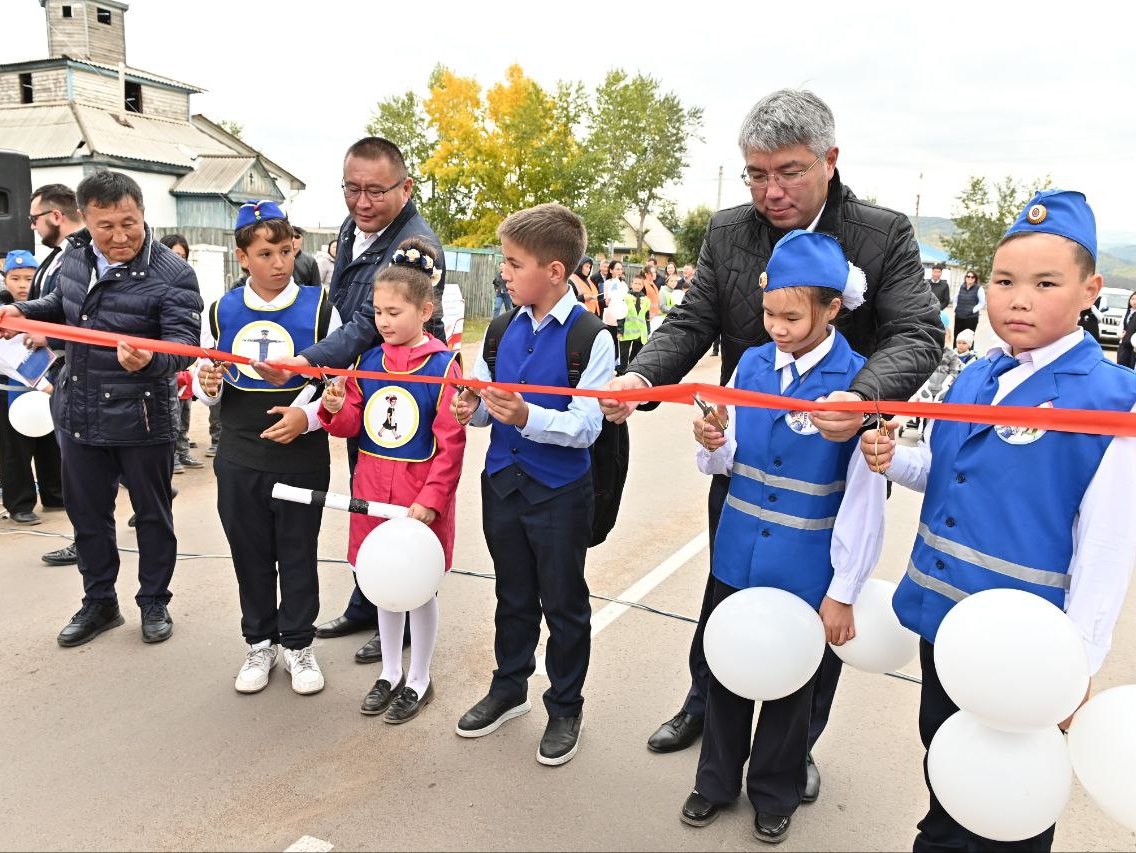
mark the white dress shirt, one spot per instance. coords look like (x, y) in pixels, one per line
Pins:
(580, 425)
(363, 241)
(858, 534)
(304, 399)
(1104, 537)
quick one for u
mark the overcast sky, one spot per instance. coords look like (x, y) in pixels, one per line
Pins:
(943, 90)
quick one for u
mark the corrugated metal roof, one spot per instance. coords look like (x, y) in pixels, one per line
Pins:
(656, 236)
(139, 137)
(41, 132)
(213, 175)
(141, 75)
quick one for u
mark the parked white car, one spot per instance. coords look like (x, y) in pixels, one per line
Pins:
(1114, 300)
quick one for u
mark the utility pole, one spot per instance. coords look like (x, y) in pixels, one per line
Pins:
(719, 207)
(917, 194)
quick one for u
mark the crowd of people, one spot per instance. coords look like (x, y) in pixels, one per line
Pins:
(810, 292)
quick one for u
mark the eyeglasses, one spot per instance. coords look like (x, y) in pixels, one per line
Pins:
(785, 180)
(32, 219)
(968, 275)
(375, 194)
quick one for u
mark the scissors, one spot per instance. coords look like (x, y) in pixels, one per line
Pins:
(709, 413)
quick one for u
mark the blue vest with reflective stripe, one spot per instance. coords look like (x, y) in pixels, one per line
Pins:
(1001, 502)
(262, 334)
(536, 358)
(786, 486)
(398, 416)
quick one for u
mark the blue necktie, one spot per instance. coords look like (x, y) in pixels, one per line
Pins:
(1000, 365)
(795, 383)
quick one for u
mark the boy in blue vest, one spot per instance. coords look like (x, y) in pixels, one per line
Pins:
(803, 514)
(1007, 507)
(537, 495)
(269, 435)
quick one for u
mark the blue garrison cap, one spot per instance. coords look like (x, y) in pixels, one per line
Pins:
(258, 211)
(20, 259)
(806, 258)
(1062, 212)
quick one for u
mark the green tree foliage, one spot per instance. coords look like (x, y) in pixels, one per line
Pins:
(690, 234)
(477, 155)
(985, 213)
(640, 134)
(231, 126)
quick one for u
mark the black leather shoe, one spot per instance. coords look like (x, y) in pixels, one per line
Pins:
(341, 626)
(407, 705)
(157, 624)
(379, 699)
(699, 811)
(63, 557)
(676, 733)
(370, 652)
(489, 714)
(771, 828)
(28, 518)
(560, 741)
(91, 620)
(812, 781)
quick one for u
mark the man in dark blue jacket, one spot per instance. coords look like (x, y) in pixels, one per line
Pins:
(376, 189)
(116, 411)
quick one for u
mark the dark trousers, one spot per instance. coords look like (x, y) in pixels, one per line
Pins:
(272, 541)
(965, 323)
(775, 781)
(695, 703)
(938, 830)
(627, 352)
(17, 453)
(214, 424)
(90, 482)
(181, 446)
(359, 607)
(538, 552)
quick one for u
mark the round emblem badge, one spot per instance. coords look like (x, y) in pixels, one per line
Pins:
(1021, 435)
(262, 341)
(763, 280)
(1036, 214)
(800, 423)
(391, 416)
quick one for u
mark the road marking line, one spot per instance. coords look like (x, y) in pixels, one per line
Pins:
(642, 587)
(307, 844)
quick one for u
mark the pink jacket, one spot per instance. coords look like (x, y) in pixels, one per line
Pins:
(432, 484)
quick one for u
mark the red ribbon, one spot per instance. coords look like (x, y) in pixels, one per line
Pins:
(1064, 420)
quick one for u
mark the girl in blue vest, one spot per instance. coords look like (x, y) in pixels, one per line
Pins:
(1005, 507)
(803, 514)
(410, 454)
(269, 437)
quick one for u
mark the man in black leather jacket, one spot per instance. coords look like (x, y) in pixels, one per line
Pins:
(116, 411)
(788, 142)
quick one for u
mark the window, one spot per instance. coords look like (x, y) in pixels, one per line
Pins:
(66, 11)
(103, 15)
(27, 94)
(133, 102)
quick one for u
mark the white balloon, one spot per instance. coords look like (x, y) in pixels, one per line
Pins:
(1013, 659)
(881, 644)
(763, 643)
(400, 565)
(1005, 786)
(30, 414)
(1102, 745)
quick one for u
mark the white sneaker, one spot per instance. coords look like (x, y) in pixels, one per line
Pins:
(253, 676)
(306, 674)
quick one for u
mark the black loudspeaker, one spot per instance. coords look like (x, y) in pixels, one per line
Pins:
(15, 202)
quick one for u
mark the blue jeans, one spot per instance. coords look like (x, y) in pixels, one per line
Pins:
(502, 303)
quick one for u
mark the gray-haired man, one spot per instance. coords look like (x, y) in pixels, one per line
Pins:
(788, 143)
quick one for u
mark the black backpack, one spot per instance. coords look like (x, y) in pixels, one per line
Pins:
(611, 451)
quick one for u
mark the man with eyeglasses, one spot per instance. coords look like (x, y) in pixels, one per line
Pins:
(788, 142)
(376, 188)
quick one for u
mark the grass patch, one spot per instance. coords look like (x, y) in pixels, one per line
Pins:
(473, 329)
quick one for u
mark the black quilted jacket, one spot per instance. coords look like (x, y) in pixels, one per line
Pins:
(96, 401)
(897, 327)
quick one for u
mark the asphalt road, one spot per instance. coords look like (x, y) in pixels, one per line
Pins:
(120, 745)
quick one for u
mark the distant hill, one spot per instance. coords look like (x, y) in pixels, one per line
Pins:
(1116, 263)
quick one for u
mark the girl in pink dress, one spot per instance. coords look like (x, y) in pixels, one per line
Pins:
(410, 454)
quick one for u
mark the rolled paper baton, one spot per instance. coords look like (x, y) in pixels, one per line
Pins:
(331, 500)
